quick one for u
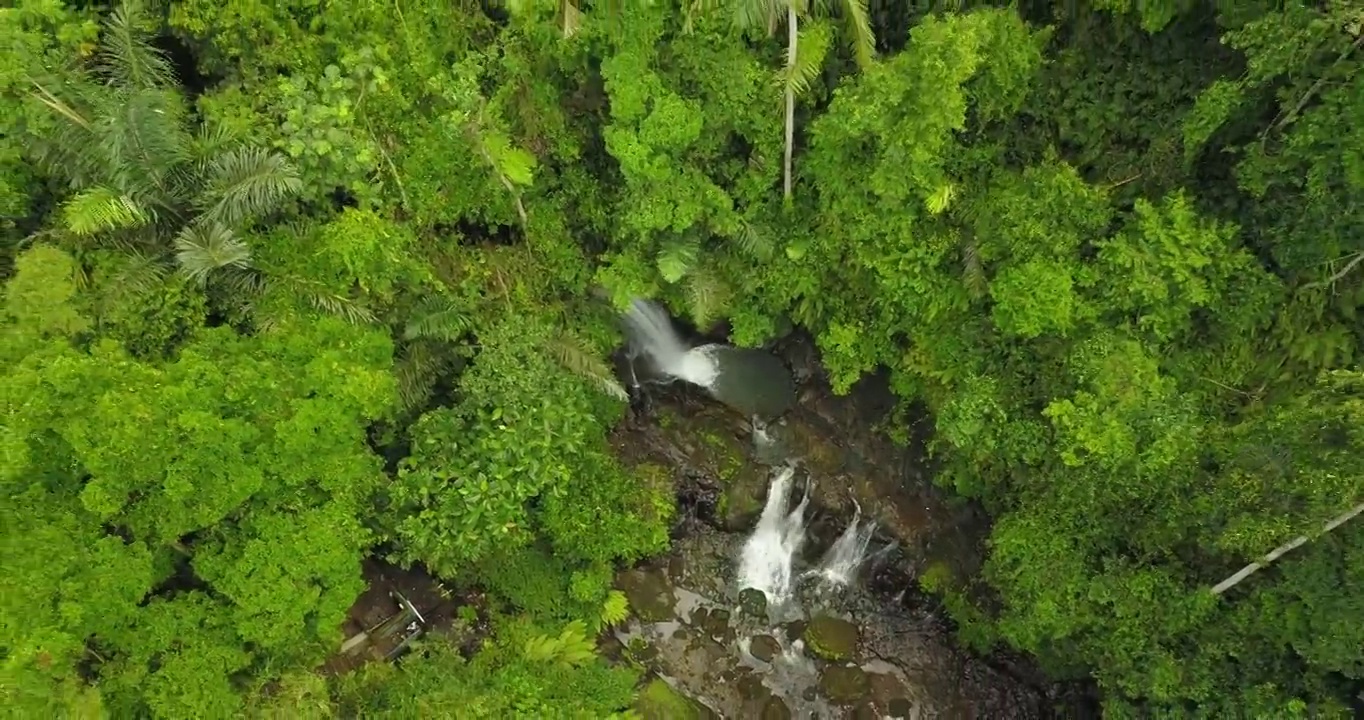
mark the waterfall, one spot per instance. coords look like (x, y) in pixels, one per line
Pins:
(770, 552)
(651, 332)
(839, 566)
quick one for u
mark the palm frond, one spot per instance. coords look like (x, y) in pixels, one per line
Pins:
(863, 40)
(325, 300)
(246, 183)
(136, 275)
(143, 142)
(417, 369)
(577, 357)
(973, 271)
(125, 53)
(100, 210)
(757, 14)
(811, 50)
(438, 319)
(202, 248)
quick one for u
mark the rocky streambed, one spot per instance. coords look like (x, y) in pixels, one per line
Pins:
(875, 648)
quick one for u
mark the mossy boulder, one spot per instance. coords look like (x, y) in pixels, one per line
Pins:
(661, 701)
(831, 638)
(742, 500)
(753, 603)
(649, 592)
(844, 685)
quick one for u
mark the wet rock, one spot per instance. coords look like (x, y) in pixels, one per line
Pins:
(649, 592)
(752, 688)
(753, 603)
(660, 701)
(775, 709)
(764, 647)
(844, 685)
(900, 708)
(865, 711)
(831, 638)
(742, 501)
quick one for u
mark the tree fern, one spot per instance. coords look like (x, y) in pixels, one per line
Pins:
(99, 210)
(578, 358)
(246, 183)
(202, 248)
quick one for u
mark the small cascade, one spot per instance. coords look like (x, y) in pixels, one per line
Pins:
(770, 552)
(846, 556)
(651, 333)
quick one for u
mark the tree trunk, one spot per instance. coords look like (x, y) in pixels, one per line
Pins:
(792, 32)
(1279, 551)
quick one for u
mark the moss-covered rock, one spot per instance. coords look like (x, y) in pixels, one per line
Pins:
(831, 638)
(649, 592)
(742, 500)
(660, 701)
(753, 603)
(844, 685)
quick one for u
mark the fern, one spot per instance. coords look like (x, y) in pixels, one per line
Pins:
(676, 258)
(576, 357)
(247, 182)
(438, 320)
(941, 199)
(615, 609)
(511, 162)
(755, 241)
(201, 249)
(571, 648)
(708, 294)
(100, 210)
(811, 50)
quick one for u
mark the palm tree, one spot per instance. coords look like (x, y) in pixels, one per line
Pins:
(805, 52)
(142, 180)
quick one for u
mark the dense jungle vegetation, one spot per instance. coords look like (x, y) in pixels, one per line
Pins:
(290, 283)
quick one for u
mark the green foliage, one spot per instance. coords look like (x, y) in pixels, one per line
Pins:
(526, 671)
(1118, 259)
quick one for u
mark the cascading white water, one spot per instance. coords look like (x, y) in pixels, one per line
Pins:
(840, 563)
(652, 332)
(770, 552)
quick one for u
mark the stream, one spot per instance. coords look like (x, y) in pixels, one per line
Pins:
(791, 587)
